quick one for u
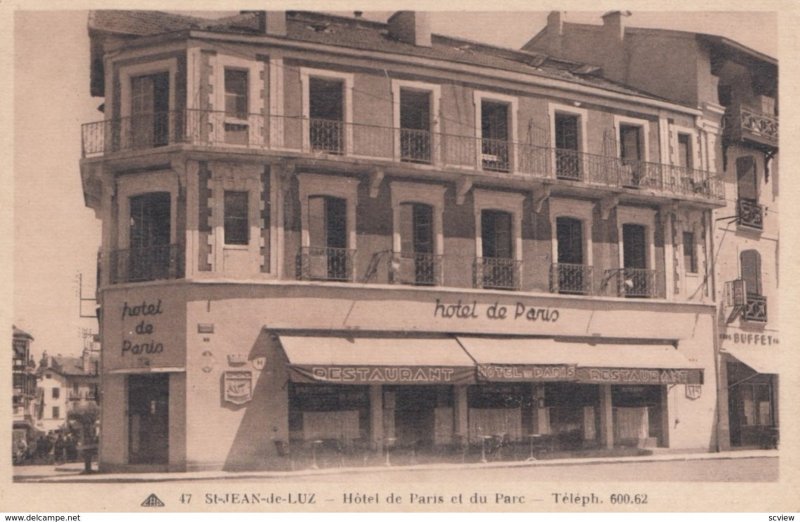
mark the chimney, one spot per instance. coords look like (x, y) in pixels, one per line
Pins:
(555, 23)
(410, 27)
(270, 23)
(613, 24)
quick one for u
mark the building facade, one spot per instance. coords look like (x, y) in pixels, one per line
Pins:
(24, 386)
(67, 385)
(737, 90)
(329, 236)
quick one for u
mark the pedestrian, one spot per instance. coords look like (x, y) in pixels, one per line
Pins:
(58, 446)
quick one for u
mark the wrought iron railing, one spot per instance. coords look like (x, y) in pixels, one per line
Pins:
(416, 146)
(497, 272)
(633, 282)
(318, 136)
(755, 308)
(750, 214)
(416, 269)
(326, 264)
(146, 264)
(570, 278)
(743, 123)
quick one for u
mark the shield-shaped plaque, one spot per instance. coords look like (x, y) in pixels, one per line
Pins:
(237, 387)
(693, 391)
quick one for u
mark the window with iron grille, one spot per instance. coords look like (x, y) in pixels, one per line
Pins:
(56, 412)
(496, 234)
(237, 229)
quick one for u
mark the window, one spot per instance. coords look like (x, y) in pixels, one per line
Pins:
(417, 249)
(689, 253)
(56, 412)
(236, 93)
(149, 122)
(237, 229)
(75, 387)
(415, 126)
(636, 280)
(327, 230)
(566, 141)
(149, 256)
(630, 143)
(326, 115)
(569, 233)
(570, 273)
(56, 393)
(496, 234)
(494, 134)
(746, 178)
(684, 151)
(751, 271)
(632, 149)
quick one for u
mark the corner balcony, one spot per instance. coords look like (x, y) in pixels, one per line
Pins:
(394, 147)
(146, 264)
(742, 124)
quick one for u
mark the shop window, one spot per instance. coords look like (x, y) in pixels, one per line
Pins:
(237, 228)
(494, 135)
(149, 121)
(56, 393)
(333, 413)
(415, 126)
(326, 115)
(573, 411)
(568, 164)
(689, 253)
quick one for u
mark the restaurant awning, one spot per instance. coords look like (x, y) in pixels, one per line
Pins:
(521, 359)
(761, 361)
(377, 360)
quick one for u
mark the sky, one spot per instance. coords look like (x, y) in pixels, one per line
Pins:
(56, 237)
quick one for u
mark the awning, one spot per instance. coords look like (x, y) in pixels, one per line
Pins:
(762, 361)
(373, 360)
(519, 359)
(147, 369)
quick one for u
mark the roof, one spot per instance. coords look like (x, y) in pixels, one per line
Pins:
(357, 33)
(21, 333)
(70, 366)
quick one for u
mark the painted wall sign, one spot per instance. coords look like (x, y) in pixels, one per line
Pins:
(237, 387)
(522, 373)
(639, 376)
(383, 374)
(144, 340)
(750, 338)
(693, 391)
(494, 311)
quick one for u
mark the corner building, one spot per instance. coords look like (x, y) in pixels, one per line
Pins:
(328, 240)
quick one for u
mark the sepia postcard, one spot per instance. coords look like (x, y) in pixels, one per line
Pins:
(420, 258)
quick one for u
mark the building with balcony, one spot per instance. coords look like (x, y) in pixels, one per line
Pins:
(24, 386)
(327, 238)
(736, 88)
(67, 385)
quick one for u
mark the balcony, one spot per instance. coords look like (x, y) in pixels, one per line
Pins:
(325, 264)
(569, 278)
(416, 269)
(337, 140)
(743, 124)
(750, 214)
(146, 264)
(755, 309)
(74, 395)
(497, 273)
(632, 282)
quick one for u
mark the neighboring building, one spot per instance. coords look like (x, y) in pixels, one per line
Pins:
(322, 231)
(67, 384)
(737, 90)
(24, 385)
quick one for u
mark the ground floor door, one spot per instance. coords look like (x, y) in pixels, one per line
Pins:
(415, 415)
(148, 419)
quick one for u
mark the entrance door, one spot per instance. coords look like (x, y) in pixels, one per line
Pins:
(148, 419)
(415, 416)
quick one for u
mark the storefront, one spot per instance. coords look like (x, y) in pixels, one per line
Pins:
(213, 377)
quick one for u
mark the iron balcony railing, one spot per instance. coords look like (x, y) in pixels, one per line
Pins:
(633, 282)
(325, 264)
(416, 269)
(750, 214)
(146, 264)
(497, 272)
(741, 123)
(570, 278)
(755, 308)
(338, 138)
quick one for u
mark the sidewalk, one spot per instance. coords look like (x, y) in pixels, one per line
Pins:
(72, 473)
